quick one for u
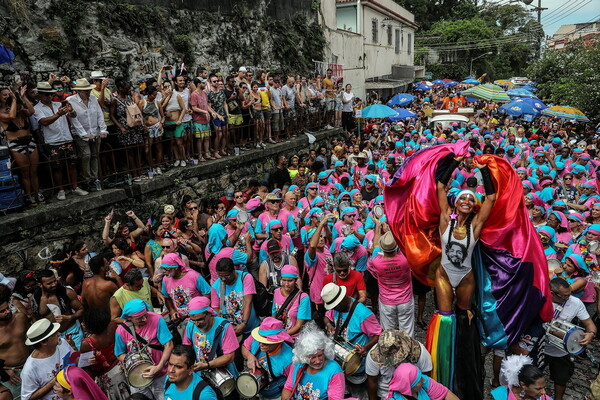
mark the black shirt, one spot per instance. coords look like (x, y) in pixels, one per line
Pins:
(279, 177)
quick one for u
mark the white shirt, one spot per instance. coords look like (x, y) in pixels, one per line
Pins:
(39, 371)
(57, 132)
(347, 107)
(185, 96)
(572, 308)
(387, 373)
(89, 120)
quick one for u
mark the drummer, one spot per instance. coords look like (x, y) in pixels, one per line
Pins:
(293, 311)
(143, 328)
(348, 225)
(269, 349)
(213, 337)
(566, 308)
(269, 272)
(350, 321)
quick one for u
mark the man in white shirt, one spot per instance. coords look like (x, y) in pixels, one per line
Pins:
(566, 308)
(88, 128)
(50, 355)
(393, 348)
(52, 118)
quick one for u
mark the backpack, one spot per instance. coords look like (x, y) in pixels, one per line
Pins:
(134, 115)
(263, 300)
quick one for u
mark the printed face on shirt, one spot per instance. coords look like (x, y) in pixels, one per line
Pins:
(456, 253)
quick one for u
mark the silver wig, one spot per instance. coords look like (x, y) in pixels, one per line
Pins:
(309, 342)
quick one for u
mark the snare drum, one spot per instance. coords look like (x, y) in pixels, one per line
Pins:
(347, 357)
(134, 366)
(221, 379)
(248, 384)
(565, 335)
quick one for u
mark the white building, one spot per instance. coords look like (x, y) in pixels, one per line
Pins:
(373, 40)
(566, 34)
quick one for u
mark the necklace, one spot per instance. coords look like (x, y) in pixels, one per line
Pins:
(461, 230)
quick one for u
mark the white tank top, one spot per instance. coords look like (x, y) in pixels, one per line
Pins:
(456, 258)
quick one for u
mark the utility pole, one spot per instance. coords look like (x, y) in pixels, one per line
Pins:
(539, 10)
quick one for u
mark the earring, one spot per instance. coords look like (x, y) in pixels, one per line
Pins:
(522, 394)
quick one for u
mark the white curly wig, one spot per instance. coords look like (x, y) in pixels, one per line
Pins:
(309, 342)
(511, 366)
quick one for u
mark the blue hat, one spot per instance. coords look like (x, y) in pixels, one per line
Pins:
(339, 164)
(323, 175)
(134, 306)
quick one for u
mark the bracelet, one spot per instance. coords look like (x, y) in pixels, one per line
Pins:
(207, 364)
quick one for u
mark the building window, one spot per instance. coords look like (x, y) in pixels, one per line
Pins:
(409, 43)
(375, 30)
(389, 34)
(401, 39)
(397, 41)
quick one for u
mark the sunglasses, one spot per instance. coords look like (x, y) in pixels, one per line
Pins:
(341, 271)
(193, 208)
(277, 229)
(239, 197)
(568, 179)
(560, 296)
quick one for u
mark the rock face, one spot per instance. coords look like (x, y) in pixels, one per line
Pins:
(46, 228)
(134, 38)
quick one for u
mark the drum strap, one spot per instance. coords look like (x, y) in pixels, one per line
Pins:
(286, 303)
(299, 375)
(140, 339)
(268, 358)
(339, 328)
(217, 340)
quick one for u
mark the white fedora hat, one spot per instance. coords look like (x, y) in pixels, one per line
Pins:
(97, 75)
(83, 84)
(41, 330)
(332, 295)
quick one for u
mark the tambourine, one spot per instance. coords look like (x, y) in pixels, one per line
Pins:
(243, 217)
(343, 204)
(378, 211)
(593, 246)
(331, 204)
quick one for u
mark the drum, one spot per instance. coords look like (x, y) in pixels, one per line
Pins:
(331, 204)
(378, 211)
(248, 384)
(593, 246)
(221, 379)
(243, 217)
(553, 264)
(135, 364)
(343, 204)
(566, 335)
(347, 357)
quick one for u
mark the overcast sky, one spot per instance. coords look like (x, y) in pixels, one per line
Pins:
(575, 11)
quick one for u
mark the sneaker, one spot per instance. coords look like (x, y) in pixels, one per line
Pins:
(98, 185)
(31, 201)
(258, 146)
(40, 197)
(61, 195)
(182, 163)
(176, 163)
(80, 192)
(157, 171)
(263, 145)
(137, 179)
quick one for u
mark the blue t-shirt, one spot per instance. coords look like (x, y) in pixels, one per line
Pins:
(314, 387)
(279, 363)
(171, 393)
(353, 332)
(234, 302)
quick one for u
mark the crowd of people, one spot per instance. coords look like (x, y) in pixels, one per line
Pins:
(97, 129)
(295, 287)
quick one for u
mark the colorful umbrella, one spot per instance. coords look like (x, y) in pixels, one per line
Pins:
(488, 91)
(403, 113)
(422, 87)
(520, 92)
(427, 83)
(439, 82)
(402, 99)
(536, 103)
(451, 83)
(471, 81)
(504, 82)
(516, 109)
(378, 111)
(565, 112)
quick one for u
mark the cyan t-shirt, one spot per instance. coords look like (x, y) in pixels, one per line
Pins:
(171, 393)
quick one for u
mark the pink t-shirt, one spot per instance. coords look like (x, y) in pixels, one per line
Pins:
(284, 214)
(320, 266)
(199, 100)
(393, 275)
(226, 252)
(229, 344)
(290, 316)
(182, 290)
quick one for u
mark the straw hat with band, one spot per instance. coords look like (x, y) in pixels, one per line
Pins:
(45, 87)
(271, 331)
(332, 295)
(83, 84)
(40, 331)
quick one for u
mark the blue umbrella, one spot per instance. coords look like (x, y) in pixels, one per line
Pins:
(438, 82)
(451, 83)
(422, 87)
(403, 113)
(520, 92)
(535, 103)
(402, 99)
(378, 111)
(471, 81)
(469, 77)
(518, 109)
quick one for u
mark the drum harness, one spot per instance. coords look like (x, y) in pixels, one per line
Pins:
(141, 340)
(339, 328)
(287, 304)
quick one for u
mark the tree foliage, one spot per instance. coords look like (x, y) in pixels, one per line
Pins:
(570, 77)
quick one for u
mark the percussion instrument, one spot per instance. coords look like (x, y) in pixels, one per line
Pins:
(347, 356)
(593, 246)
(344, 204)
(248, 384)
(565, 335)
(221, 379)
(243, 217)
(134, 366)
(331, 204)
(346, 229)
(595, 276)
(553, 265)
(378, 211)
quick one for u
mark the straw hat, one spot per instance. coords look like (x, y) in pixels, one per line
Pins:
(387, 243)
(83, 84)
(40, 331)
(332, 295)
(44, 87)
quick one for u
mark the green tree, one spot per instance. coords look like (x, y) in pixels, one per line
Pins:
(570, 77)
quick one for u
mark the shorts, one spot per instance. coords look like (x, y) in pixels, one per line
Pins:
(154, 131)
(329, 104)
(171, 129)
(289, 115)
(201, 130)
(257, 114)
(267, 113)
(218, 123)
(419, 289)
(188, 127)
(60, 152)
(23, 145)
(338, 105)
(561, 369)
(235, 119)
(276, 122)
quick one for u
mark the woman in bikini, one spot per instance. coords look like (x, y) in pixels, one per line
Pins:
(15, 110)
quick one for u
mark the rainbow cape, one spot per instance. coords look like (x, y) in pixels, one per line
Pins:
(508, 262)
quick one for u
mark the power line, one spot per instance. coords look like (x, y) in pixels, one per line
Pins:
(556, 10)
(585, 25)
(476, 43)
(563, 16)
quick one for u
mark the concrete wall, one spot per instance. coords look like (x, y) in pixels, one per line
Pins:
(24, 235)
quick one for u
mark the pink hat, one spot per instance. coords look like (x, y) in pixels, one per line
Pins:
(289, 271)
(200, 304)
(271, 331)
(253, 203)
(171, 260)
